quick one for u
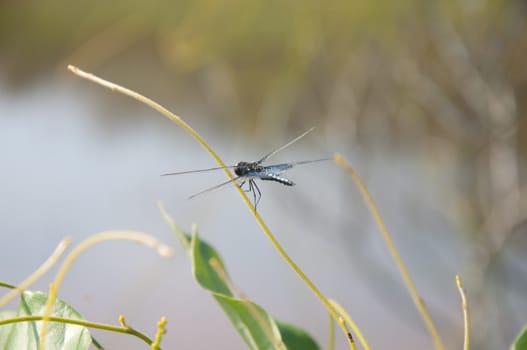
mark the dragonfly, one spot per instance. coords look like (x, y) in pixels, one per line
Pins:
(247, 172)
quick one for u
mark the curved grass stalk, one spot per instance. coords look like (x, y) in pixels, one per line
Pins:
(352, 324)
(331, 340)
(201, 141)
(87, 243)
(185, 242)
(41, 271)
(466, 316)
(418, 301)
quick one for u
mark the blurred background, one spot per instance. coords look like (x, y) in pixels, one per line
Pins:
(426, 99)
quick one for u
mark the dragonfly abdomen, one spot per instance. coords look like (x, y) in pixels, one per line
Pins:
(276, 178)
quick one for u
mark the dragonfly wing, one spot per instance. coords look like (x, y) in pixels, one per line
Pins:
(217, 187)
(277, 168)
(284, 146)
(310, 161)
(200, 170)
(273, 172)
(280, 168)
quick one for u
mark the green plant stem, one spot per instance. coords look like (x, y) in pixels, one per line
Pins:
(466, 315)
(154, 105)
(298, 271)
(352, 324)
(161, 330)
(7, 285)
(331, 342)
(96, 344)
(419, 303)
(201, 141)
(107, 327)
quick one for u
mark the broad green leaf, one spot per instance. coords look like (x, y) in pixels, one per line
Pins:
(254, 324)
(296, 338)
(521, 341)
(26, 335)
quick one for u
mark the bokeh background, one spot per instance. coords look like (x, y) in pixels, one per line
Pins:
(426, 99)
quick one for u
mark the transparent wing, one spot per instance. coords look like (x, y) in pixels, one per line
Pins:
(200, 170)
(270, 154)
(277, 169)
(311, 161)
(217, 187)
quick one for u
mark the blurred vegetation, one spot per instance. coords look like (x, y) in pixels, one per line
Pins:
(403, 66)
(448, 78)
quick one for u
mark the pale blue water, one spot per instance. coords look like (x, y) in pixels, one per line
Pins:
(69, 169)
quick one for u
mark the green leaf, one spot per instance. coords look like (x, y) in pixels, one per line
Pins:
(26, 335)
(521, 340)
(253, 323)
(296, 338)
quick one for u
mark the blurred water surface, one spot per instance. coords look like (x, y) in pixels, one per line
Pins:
(65, 174)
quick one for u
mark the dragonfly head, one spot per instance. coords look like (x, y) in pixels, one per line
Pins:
(244, 168)
(241, 168)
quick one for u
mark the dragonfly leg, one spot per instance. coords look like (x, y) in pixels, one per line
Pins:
(256, 193)
(251, 189)
(243, 183)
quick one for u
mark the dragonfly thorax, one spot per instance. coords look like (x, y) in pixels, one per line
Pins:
(246, 168)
